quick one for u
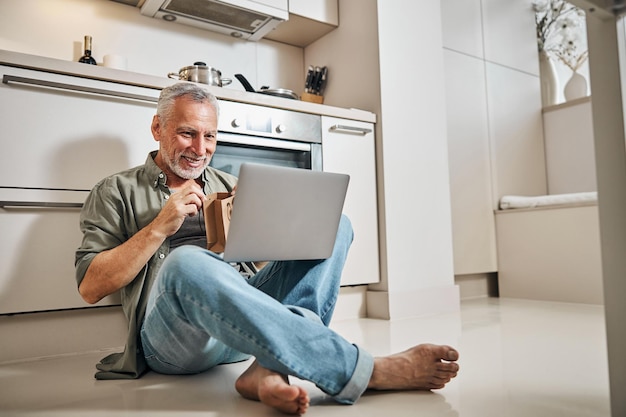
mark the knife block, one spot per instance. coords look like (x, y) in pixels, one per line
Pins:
(312, 98)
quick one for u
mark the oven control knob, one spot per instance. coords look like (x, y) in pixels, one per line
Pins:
(281, 128)
(236, 123)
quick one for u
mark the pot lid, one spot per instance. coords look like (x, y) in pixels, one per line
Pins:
(199, 65)
(279, 92)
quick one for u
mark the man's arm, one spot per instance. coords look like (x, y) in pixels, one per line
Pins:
(115, 268)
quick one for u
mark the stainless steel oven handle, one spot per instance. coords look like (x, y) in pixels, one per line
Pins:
(262, 142)
(351, 129)
(6, 79)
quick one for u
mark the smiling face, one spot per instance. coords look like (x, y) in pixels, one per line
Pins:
(187, 139)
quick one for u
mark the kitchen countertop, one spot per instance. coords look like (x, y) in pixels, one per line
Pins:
(58, 66)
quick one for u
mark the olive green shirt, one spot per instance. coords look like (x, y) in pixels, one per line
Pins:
(117, 208)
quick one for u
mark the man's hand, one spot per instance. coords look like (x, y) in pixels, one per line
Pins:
(183, 203)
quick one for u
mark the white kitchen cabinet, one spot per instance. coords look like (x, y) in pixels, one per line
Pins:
(308, 21)
(509, 35)
(473, 223)
(495, 142)
(325, 11)
(462, 26)
(61, 134)
(61, 138)
(37, 254)
(348, 147)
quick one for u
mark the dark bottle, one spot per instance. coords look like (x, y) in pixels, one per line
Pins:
(87, 58)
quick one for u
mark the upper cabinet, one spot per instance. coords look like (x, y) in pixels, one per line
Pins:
(308, 21)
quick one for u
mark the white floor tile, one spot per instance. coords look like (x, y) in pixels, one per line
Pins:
(518, 358)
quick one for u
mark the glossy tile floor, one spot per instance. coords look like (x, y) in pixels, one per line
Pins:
(518, 358)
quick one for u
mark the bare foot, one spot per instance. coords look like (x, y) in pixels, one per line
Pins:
(421, 367)
(273, 389)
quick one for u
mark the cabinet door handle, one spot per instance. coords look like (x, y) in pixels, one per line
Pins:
(39, 205)
(6, 79)
(351, 129)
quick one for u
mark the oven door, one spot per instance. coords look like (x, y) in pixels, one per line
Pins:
(233, 150)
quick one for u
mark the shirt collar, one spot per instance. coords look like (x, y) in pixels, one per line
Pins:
(156, 175)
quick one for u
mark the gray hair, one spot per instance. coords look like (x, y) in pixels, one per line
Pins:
(189, 90)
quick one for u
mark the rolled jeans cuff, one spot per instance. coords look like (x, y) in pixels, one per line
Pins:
(357, 384)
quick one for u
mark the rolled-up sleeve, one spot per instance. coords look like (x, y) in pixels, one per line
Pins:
(101, 226)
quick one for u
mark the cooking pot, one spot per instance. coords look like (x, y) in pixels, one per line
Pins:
(277, 92)
(199, 72)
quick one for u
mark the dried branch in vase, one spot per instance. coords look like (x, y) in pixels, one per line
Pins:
(559, 28)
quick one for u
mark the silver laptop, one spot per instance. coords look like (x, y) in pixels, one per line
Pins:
(284, 214)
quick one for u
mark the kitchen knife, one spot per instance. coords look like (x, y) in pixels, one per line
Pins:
(317, 87)
(309, 79)
(316, 79)
(322, 82)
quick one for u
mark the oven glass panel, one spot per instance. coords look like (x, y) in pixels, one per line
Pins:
(229, 157)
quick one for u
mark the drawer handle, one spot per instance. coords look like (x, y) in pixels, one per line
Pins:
(6, 79)
(39, 204)
(351, 129)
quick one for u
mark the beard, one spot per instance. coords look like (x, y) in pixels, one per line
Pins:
(176, 163)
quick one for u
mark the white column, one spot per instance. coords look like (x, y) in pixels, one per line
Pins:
(417, 263)
(606, 52)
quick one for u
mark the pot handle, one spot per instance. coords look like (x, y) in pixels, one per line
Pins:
(226, 81)
(173, 74)
(245, 83)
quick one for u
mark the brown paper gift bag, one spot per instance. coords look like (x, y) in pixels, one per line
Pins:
(217, 208)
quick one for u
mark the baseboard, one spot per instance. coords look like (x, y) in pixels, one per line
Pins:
(351, 303)
(35, 335)
(66, 332)
(417, 303)
(477, 285)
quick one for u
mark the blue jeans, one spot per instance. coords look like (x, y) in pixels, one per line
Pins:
(202, 313)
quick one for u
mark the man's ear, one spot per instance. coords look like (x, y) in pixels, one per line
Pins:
(156, 128)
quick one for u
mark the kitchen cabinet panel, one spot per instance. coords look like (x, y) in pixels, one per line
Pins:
(509, 34)
(462, 29)
(37, 254)
(309, 20)
(321, 10)
(473, 223)
(515, 128)
(348, 148)
(62, 134)
(63, 139)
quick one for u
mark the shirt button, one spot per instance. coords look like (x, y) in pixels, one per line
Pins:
(161, 255)
(161, 175)
(167, 197)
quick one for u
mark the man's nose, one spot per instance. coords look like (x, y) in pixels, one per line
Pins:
(198, 146)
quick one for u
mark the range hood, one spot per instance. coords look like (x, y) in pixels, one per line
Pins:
(244, 19)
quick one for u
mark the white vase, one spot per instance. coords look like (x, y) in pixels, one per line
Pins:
(576, 87)
(549, 80)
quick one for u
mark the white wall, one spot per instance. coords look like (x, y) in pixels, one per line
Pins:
(55, 29)
(351, 54)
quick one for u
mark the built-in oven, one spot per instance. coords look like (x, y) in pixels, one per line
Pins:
(253, 133)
